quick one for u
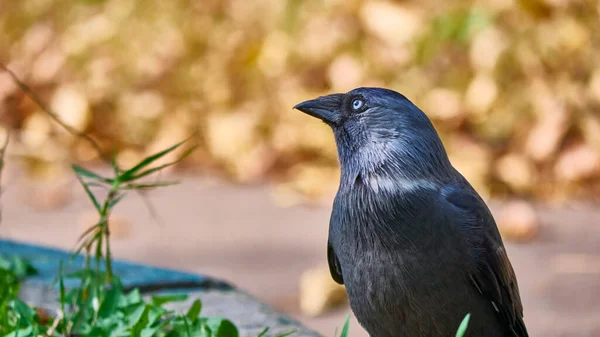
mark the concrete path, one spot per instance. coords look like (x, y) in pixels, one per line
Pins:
(239, 234)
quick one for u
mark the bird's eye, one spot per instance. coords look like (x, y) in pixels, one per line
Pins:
(357, 104)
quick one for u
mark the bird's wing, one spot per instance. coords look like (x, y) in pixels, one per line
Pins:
(334, 264)
(494, 276)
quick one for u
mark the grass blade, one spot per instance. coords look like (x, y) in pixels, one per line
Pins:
(114, 163)
(85, 173)
(158, 168)
(463, 326)
(159, 300)
(96, 184)
(187, 326)
(194, 311)
(84, 244)
(346, 327)
(89, 193)
(149, 186)
(116, 200)
(262, 333)
(129, 175)
(61, 285)
(87, 231)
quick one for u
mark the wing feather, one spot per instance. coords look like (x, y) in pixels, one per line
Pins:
(494, 276)
(334, 264)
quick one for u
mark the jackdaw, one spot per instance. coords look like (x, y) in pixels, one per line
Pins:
(414, 244)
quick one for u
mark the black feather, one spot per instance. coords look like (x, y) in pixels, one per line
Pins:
(334, 264)
(494, 276)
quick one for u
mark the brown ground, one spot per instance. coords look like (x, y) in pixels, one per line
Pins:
(239, 234)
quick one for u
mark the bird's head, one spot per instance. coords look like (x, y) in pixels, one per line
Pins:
(379, 132)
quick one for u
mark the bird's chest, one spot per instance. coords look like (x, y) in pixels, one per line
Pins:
(395, 263)
(377, 280)
(389, 293)
(401, 292)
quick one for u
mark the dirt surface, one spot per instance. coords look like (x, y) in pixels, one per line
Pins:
(239, 234)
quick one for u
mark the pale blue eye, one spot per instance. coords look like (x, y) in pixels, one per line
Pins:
(357, 104)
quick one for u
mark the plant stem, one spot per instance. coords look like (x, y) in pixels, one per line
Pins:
(104, 215)
(27, 90)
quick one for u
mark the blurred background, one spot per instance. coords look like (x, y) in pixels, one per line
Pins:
(513, 87)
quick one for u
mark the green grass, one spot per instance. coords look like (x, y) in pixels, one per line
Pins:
(96, 310)
(346, 328)
(96, 239)
(462, 328)
(99, 306)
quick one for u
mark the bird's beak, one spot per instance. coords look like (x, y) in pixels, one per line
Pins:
(325, 108)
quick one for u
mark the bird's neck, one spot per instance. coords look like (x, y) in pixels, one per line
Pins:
(384, 189)
(389, 172)
(382, 210)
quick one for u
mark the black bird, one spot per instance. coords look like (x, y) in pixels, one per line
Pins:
(414, 244)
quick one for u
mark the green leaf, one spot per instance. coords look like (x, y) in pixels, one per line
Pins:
(162, 299)
(113, 325)
(71, 295)
(83, 244)
(116, 200)
(155, 313)
(21, 332)
(262, 333)
(221, 327)
(194, 310)
(158, 168)
(141, 324)
(149, 332)
(84, 274)
(346, 327)
(147, 186)
(133, 297)
(86, 234)
(19, 266)
(180, 326)
(287, 334)
(110, 303)
(137, 319)
(23, 310)
(88, 174)
(463, 326)
(114, 163)
(187, 327)
(22, 268)
(9, 288)
(4, 263)
(61, 286)
(84, 328)
(129, 175)
(88, 191)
